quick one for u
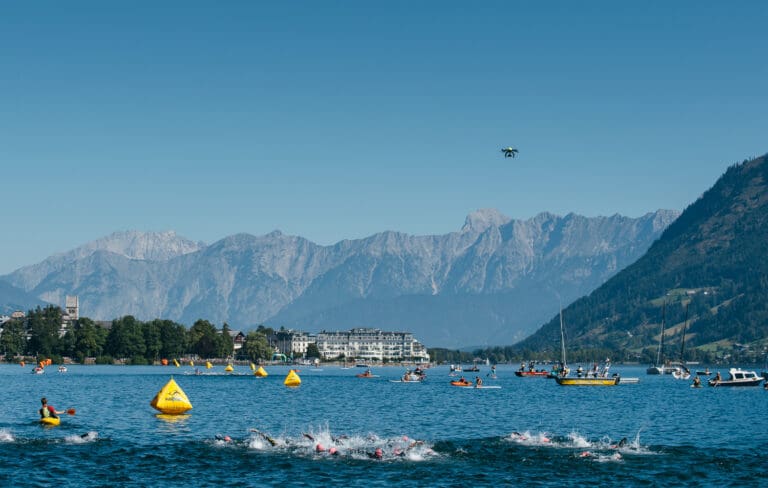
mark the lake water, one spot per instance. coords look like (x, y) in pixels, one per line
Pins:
(677, 435)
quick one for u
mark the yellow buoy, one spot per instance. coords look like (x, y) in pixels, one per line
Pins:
(229, 368)
(261, 372)
(176, 363)
(192, 363)
(171, 399)
(208, 365)
(292, 379)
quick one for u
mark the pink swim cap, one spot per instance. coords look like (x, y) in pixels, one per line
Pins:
(319, 448)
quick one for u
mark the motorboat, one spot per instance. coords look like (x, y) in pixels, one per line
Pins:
(737, 377)
(62, 369)
(591, 381)
(532, 374)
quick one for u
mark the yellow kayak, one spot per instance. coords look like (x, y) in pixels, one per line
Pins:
(50, 421)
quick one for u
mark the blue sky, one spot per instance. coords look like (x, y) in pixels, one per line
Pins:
(335, 120)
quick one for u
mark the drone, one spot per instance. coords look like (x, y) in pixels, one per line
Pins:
(509, 152)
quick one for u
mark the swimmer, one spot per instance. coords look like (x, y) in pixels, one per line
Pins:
(319, 448)
(377, 454)
(333, 451)
(223, 438)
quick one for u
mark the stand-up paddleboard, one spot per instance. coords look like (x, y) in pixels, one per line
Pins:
(401, 381)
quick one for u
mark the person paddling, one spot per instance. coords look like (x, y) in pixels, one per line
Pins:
(48, 410)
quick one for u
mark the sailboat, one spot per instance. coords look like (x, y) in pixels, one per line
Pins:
(658, 367)
(682, 373)
(562, 377)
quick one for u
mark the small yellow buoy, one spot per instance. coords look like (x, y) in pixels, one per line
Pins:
(292, 379)
(176, 363)
(208, 365)
(171, 399)
(229, 368)
(261, 372)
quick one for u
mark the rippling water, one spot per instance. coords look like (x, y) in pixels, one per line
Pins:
(530, 432)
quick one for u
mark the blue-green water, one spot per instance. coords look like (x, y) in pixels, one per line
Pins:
(678, 436)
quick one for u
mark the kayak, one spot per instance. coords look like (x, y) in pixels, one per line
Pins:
(50, 421)
(362, 375)
(462, 383)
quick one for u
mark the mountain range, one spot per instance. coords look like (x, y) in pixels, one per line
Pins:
(706, 275)
(492, 282)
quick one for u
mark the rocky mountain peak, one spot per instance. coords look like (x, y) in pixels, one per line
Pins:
(481, 219)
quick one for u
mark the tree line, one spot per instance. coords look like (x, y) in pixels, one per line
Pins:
(137, 342)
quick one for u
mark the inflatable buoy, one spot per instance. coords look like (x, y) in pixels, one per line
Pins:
(164, 362)
(171, 399)
(292, 379)
(176, 363)
(261, 372)
(229, 368)
(208, 365)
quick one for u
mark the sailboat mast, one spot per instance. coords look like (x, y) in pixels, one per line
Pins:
(562, 339)
(659, 355)
(682, 341)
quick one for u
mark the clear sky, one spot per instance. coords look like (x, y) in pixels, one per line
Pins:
(338, 119)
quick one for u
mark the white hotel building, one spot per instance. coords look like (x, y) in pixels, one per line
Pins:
(363, 344)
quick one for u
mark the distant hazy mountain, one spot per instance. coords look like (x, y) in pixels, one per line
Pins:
(13, 299)
(713, 258)
(491, 282)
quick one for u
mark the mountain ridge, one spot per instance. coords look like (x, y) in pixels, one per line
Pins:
(488, 266)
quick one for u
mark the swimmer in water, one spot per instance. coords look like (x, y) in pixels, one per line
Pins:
(377, 454)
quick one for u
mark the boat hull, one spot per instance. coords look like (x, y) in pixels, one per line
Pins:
(532, 374)
(755, 382)
(587, 381)
(50, 421)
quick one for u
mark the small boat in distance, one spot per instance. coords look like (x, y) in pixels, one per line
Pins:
(62, 369)
(658, 367)
(682, 373)
(737, 377)
(367, 374)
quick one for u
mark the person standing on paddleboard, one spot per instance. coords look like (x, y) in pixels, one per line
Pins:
(48, 410)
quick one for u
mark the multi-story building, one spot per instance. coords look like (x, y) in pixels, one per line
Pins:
(371, 345)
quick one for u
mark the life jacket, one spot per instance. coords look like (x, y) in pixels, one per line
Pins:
(46, 412)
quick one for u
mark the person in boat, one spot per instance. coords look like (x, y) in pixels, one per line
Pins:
(718, 378)
(48, 410)
(696, 381)
(478, 382)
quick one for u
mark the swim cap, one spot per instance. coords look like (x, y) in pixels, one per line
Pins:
(332, 450)
(379, 452)
(319, 448)
(227, 438)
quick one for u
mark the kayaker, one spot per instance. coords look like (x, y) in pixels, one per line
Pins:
(48, 410)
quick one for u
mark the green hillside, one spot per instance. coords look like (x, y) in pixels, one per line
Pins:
(712, 259)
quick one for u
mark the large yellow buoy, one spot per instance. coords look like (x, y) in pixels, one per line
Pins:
(261, 372)
(229, 368)
(208, 365)
(171, 399)
(292, 379)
